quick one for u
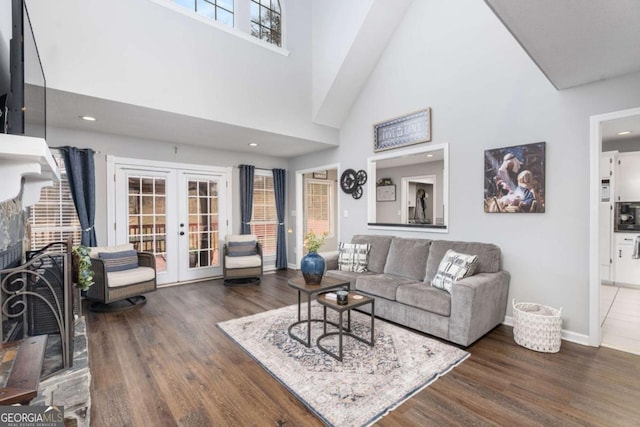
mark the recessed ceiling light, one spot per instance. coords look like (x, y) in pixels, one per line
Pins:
(429, 155)
(624, 132)
(253, 144)
(88, 118)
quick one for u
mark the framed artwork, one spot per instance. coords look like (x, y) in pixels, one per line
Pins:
(399, 132)
(320, 175)
(386, 193)
(514, 179)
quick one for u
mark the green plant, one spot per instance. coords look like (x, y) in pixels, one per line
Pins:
(313, 242)
(82, 273)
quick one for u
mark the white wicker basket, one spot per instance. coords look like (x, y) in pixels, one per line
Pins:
(537, 327)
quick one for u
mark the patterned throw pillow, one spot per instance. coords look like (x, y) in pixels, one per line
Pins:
(242, 248)
(119, 261)
(353, 257)
(454, 266)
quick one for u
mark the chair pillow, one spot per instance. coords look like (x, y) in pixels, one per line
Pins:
(119, 261)
(242, 248)
(353, 256)
(454, 266)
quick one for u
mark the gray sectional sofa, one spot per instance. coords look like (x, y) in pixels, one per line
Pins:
(399, 274)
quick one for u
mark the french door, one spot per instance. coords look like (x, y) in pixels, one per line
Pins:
(179, 215)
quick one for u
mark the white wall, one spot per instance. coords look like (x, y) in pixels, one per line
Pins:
(485, 92)
(335, 26)
(105, 145)
(143, 53)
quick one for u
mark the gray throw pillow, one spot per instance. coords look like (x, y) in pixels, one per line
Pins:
(119, 261)
(242, 248)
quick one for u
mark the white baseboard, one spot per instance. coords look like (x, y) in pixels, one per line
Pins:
(566, 335)
(293, 266)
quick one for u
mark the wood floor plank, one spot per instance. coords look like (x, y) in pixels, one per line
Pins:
(167, 364)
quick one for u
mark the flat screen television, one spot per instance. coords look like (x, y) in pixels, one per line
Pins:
(25, 111)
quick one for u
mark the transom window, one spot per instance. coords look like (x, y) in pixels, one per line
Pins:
(218, 10)
(266, 22)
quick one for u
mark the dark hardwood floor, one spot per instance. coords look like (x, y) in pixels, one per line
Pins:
(167, 364)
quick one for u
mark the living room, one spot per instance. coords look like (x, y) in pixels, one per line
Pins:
(160, 95)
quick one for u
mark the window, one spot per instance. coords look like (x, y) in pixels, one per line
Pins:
(266, 22)
(218, 10)
(264, 220)
(54, 218)
(319, 206)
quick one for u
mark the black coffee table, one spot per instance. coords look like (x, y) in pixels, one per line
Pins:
(352, 303)
(326, 284)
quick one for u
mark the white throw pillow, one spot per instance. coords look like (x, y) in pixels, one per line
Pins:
(353, 257)
(454, 266)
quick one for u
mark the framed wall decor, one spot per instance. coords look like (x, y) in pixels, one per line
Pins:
(320, 175)
(514, 179)
(401, 131)
(386, 193)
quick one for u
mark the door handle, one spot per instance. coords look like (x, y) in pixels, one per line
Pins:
(182, 233)
(620, 253)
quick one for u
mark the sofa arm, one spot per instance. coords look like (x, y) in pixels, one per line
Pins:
(146, 259)
(478, 304)
(330, 260)
(98, 289)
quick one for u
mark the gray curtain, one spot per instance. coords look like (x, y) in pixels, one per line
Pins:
(81, 174)
(246, 197)
(279, 188)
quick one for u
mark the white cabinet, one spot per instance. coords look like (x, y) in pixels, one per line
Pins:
(628, 177)
(627, 269)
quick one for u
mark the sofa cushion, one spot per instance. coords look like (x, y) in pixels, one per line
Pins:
(425, 297)
(129, 277)
(119, 261)
(453, 267)
(408, 257)
(347, 276)
(238, 249)
(242, 261)
(353, 256)
(379, 250)
(488, 256)
(381, 285)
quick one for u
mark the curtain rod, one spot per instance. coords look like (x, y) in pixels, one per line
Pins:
(262, 169)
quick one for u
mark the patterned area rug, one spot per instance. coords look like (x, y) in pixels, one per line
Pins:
(367, 384)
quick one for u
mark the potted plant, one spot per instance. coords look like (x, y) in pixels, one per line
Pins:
(312, 264)
(82, 273)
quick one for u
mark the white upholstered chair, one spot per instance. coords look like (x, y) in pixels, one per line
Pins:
(242, 260)
(120, 274)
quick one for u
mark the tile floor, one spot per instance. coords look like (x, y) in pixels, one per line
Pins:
(620, 318)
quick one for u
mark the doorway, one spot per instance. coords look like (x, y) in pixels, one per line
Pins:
(177, 212)
(317, 207)
(611, 320)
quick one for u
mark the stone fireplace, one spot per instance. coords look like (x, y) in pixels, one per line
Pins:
(26, 166)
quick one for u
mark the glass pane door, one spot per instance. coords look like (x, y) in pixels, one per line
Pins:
(200, 244)
(147, 217)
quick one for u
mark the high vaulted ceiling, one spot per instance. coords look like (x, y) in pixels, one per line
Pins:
(575, 42)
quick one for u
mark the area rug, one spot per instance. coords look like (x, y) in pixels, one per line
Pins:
(366, 385)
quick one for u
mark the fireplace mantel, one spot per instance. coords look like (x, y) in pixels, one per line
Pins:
(25, 164)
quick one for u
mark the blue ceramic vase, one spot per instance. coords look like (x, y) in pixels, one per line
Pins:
(312, 267)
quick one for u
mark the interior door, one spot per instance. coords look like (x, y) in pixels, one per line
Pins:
(201, 225)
